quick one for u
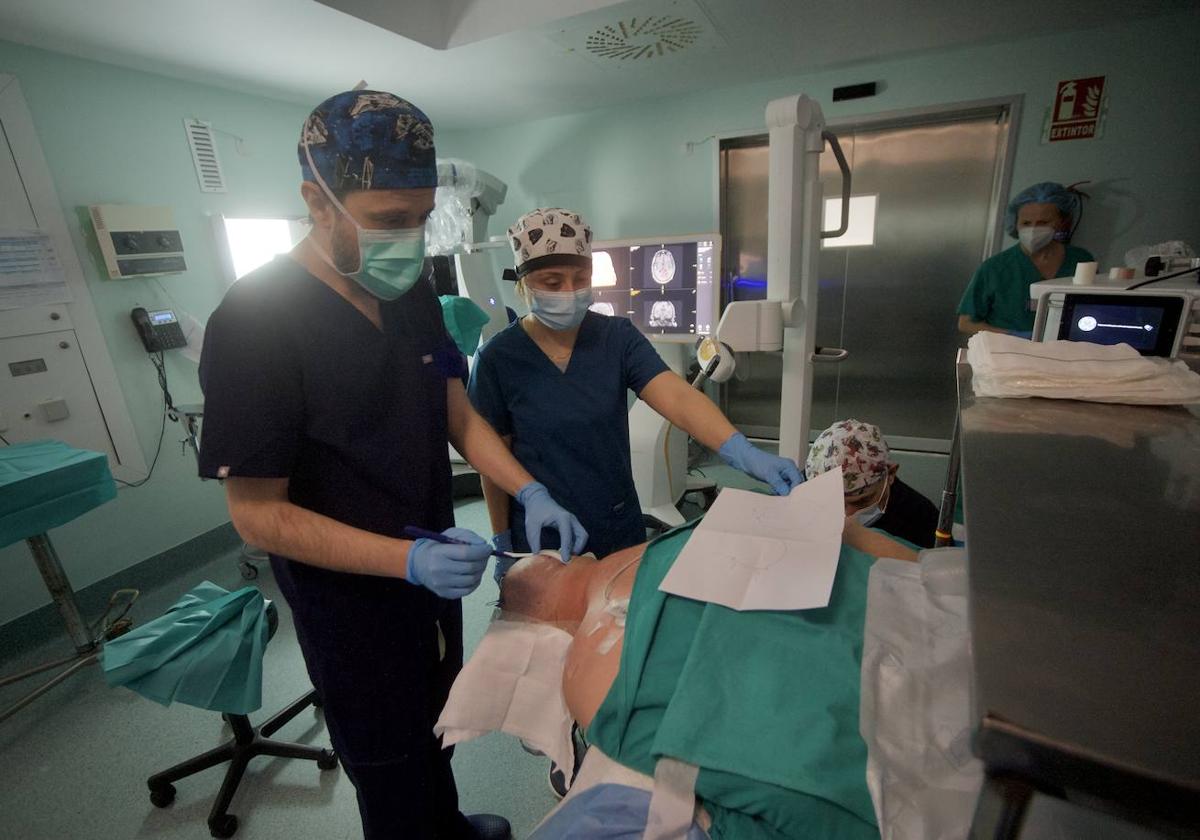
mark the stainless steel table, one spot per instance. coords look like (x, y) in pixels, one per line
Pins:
(1083, 525)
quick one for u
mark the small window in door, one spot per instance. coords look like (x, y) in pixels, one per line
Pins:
(862, 221)
(252, 243)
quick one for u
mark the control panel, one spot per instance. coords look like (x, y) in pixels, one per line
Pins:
(137, 241)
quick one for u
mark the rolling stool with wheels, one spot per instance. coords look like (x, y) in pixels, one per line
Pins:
(248, 741)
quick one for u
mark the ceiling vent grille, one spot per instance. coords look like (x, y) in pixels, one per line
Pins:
(643, 38)
(204, 155)
(665, 33)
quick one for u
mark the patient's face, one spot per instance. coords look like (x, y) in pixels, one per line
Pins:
(543, 588)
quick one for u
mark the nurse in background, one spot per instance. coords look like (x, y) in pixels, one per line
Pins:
(1042, 219)
(554, 385)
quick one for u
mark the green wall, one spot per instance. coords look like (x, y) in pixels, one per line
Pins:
(627, 171)
(116, 136)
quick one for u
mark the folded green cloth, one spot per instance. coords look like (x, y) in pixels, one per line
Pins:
(464, 320)
(206, 651)
(45, 484)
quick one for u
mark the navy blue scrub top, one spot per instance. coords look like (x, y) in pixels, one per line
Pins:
(571, 430)
(299, 384)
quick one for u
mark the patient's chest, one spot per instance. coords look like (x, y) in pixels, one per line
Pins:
(595, 654)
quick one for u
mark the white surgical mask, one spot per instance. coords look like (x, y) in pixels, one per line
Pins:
(1034, 239)
(560, 310)
(868, 516)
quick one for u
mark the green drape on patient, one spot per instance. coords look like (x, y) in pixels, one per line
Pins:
(765, 703)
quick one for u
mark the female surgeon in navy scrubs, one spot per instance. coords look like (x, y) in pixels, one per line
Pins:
(554, 384)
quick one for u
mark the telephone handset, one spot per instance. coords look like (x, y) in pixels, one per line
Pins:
(159, 329)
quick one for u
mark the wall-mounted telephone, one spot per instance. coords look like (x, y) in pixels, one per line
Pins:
(159, 329)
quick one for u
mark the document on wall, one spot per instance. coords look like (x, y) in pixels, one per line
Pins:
(30, 271)
(758, 552)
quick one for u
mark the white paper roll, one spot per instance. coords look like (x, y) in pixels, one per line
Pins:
(1085, 274)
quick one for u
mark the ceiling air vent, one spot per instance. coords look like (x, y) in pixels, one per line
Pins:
(665, 32)
(643, 38)
(204, 155)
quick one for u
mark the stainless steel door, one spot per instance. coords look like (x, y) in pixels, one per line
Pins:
(890, 303)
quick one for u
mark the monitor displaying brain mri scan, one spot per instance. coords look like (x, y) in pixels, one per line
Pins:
(662, 266)
(666, 288)
(662, 314)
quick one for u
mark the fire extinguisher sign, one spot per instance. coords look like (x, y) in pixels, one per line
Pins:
(1078, 113)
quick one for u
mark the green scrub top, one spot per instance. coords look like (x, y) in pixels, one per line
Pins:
(998, 293)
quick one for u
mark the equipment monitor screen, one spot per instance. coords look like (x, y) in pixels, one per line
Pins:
(1147, 323)
(666, 287)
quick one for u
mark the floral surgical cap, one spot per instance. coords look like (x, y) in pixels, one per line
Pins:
(857, 447)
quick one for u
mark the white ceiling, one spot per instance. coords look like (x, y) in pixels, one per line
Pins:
(481, 62)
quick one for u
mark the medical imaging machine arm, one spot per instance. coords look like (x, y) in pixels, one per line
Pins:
(787, 319)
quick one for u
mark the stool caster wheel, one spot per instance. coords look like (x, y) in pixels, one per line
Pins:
(223, 826)
(249, 570)
(162, 795)
(328, 760)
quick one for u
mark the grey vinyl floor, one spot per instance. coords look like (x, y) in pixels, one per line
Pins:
(74, 764)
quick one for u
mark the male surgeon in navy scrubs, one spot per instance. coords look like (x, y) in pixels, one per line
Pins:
(331, 390)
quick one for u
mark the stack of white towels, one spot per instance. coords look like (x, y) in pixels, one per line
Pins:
(1006, 366)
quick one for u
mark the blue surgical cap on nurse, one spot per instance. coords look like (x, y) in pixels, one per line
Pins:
(1047, 192)
(368, 140)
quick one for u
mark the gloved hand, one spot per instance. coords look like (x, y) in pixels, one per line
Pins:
(502, 542)
(543, 512)
(448, 570)
(781, 473)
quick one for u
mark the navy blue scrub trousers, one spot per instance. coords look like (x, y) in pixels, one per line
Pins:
(373, 654)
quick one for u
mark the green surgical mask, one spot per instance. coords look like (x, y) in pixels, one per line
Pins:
(389, 261)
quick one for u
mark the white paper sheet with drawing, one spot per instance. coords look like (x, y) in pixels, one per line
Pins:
(756, 552)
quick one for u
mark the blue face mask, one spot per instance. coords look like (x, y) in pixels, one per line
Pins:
(560, 310)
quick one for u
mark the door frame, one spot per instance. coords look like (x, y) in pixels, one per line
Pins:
(898, 118)
(43, 199)
(1002, 180)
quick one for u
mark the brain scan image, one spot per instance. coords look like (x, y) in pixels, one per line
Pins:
(662, 313)
(603, 307)
(662, 267)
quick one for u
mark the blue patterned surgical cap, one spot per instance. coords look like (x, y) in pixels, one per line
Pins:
(369, 140)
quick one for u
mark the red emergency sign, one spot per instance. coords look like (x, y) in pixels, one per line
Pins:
(1077, 109)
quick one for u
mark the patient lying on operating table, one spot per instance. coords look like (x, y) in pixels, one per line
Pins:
(769, 698)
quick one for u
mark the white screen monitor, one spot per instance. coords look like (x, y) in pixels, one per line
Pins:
(666, 285)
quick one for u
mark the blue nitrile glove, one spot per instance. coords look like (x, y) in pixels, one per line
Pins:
(543, 512)
(1026, 334)
(781, 473)
(502, 542)
(448, 570)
